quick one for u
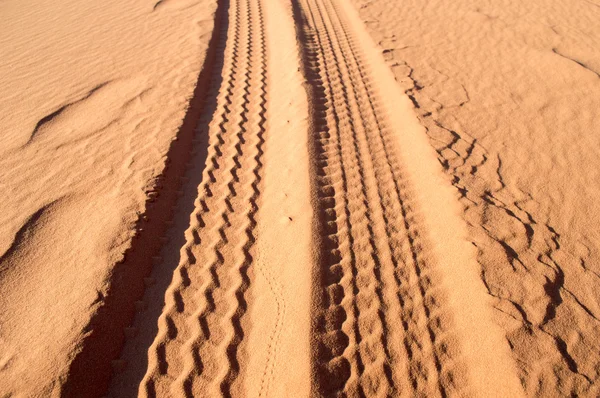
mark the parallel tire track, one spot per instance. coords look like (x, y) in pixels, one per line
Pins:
(381, 322)
(374, 240)
(196, 351)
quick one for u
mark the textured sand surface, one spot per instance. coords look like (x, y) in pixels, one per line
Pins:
(509, 93)
(243, 198)
(91, 93)
(323, 237)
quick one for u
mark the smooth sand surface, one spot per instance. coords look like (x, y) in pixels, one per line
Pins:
(299, 198)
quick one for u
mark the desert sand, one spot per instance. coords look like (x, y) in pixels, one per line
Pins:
(509, 94)
(299, 198)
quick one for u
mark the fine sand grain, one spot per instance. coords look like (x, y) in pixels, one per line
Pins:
(299, 198)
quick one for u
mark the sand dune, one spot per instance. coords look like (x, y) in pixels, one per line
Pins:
(293, 198)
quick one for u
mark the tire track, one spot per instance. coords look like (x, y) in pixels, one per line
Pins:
(197, 347)
(375, 242)
(381, 321)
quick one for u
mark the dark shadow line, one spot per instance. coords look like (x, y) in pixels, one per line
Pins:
(90, 371)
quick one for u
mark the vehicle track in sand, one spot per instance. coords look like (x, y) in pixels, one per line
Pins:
(196, 349)
(378, 287)
(381, 317)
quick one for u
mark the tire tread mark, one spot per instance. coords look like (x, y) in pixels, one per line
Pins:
(396, 339)
(228, 202)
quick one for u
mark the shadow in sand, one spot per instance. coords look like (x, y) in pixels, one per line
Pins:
(138, 283)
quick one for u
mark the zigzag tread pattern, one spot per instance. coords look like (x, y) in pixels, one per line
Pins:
(382, 324)
(197, 348)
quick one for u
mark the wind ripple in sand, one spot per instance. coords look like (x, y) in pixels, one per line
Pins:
(512, 125)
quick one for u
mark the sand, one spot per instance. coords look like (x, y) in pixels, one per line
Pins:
(299, 198)
(92, 94)
(509, 94)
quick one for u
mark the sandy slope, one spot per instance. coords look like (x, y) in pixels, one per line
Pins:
(509, 92)
(91, 93)
(298, 236)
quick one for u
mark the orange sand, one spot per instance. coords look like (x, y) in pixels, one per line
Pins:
(299, 198)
